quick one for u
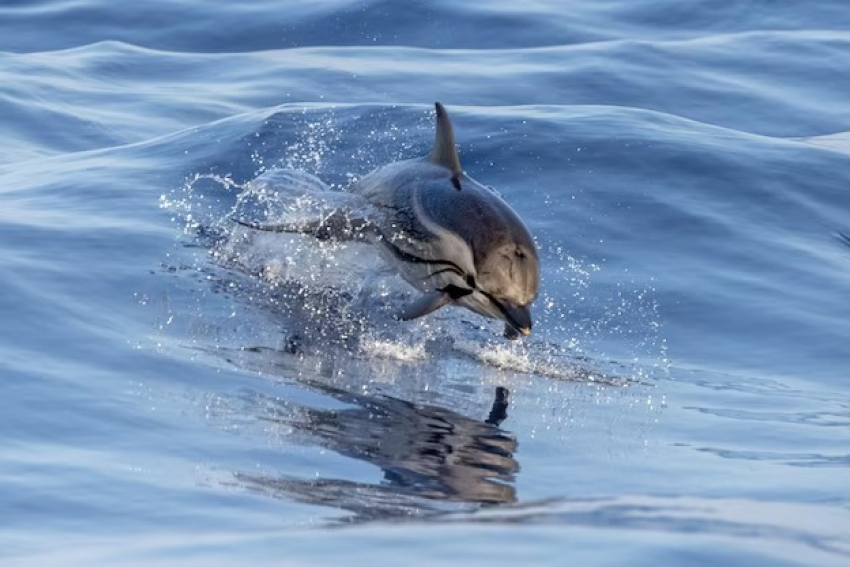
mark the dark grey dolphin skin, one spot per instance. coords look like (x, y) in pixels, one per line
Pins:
(449, 236)
(453, 238)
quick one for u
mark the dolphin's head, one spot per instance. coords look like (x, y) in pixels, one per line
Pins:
(488, 261)
(506, 283)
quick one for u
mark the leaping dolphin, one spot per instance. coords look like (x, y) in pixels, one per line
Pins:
(449, 236)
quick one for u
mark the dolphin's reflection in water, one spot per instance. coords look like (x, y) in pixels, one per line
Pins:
(428, 455)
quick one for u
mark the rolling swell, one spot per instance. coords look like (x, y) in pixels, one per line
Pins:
(198, 393)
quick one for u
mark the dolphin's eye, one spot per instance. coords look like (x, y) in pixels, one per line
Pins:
(470, 281)
(520, 254)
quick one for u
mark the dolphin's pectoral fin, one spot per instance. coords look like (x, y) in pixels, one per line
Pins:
(445, 150)
(337, 226)
(428, 303)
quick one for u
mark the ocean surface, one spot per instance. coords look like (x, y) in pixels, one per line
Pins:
(180, 390)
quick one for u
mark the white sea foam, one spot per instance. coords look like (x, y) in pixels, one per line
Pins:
(393, 350)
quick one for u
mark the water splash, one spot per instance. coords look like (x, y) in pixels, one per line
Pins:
(331, 293)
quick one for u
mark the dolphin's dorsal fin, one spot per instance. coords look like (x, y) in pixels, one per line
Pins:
(445, 151)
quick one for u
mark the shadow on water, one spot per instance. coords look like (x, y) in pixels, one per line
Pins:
(428, 455)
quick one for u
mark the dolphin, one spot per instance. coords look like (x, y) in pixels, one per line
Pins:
(449, 236)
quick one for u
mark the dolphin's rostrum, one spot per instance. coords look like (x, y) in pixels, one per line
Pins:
(449, 236)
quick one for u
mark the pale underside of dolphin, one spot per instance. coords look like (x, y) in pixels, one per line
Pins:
(449, 236)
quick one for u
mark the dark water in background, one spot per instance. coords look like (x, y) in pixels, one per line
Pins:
(179, 391)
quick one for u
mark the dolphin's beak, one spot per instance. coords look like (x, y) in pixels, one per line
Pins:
(519, 318)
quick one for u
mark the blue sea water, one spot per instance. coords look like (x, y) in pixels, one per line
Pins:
(178, 390)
